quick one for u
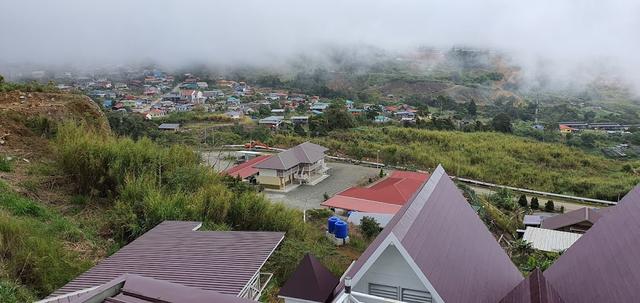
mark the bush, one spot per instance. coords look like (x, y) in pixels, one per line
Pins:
(534, 203)
(522, 201)
(369, 227)
(6, 164)
(503, 198)
(549, 206)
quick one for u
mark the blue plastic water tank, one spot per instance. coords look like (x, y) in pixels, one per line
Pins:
(342, 229)
(331, 223)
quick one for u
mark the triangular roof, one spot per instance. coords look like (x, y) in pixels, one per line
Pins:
(573, 217)
(534, 289)
(311, 281)
(449, 244)
(603, 266)
(306, 152)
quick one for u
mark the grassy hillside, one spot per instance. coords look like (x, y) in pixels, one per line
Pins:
(490, 157)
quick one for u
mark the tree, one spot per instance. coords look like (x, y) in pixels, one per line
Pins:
(589, 116)
(263, 111)
(301, 108)
(502, 123)
(549, 206)
(472, 109)
(299, 130)
(372, 112)
(317, 125)
(534, 203)
(369, 227)
(338, 117)
(1, 79)
(522, 201)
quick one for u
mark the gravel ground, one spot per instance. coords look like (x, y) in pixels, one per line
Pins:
(341, 177)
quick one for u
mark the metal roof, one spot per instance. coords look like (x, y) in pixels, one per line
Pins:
(549, 239)
(386, 196)
(138, 289)
(310, 281)
(603, 266)
(174, 251)
(450, 245)
(306, 152)
(534, 289)
(246, 169)
(573, 217)
(169, 126)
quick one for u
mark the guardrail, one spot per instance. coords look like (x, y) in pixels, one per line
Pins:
(535, 192)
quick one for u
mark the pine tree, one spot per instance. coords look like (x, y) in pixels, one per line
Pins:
(534, 203)
(522, 201)
(549, 206)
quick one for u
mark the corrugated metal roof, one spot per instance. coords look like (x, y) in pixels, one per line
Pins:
(603, 266)
(246, 169)
(310, 281)
(534, 289)
(138, 289)
(450, 245)
(222, 261)
(303, 153)
(549, 239)
(386, 196)
(573, 217)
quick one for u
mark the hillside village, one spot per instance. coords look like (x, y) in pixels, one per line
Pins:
(145, 185)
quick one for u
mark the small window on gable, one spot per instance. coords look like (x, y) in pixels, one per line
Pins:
(383, 291)
(416, 296)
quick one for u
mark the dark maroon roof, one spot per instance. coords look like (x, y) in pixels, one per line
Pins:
(603, 265)
(450, 245)
(138, 289)
(173, 251)
(311, 281)
(534, 289)
(571, 218)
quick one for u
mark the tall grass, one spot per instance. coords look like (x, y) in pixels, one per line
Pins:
(491, 157)
(150, 183)
(33, 246)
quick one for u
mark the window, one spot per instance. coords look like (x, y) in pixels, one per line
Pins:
(383, 291)
(416, 296)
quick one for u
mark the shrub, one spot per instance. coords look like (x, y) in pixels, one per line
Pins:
(549, 206)
(534, 203)
(369, 227)
(522, 201)
(503, 198)
(5, 164)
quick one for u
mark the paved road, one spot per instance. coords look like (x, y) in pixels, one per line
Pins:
(342, 176)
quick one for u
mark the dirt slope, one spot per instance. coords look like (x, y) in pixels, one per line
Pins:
(27, 119)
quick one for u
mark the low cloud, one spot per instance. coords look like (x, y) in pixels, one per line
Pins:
(570, 41)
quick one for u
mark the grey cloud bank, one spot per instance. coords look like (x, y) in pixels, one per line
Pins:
(567, 39)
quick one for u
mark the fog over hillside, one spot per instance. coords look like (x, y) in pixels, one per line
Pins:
(570, 41)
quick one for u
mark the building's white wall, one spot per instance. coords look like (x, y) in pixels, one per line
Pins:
(390, 269)
(268, 172)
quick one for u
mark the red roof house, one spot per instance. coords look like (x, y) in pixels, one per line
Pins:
(246, 169)
(386, 196)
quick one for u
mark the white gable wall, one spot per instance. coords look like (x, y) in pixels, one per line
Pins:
(390, 269)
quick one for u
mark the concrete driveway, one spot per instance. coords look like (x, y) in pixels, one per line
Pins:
(342, 176)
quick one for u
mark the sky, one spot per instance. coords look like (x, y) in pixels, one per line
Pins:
(565, 38)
